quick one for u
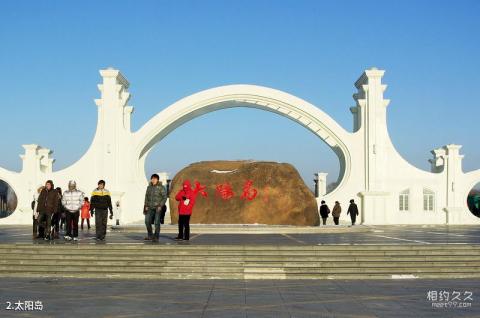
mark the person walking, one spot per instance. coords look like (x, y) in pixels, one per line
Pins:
(337, 209)
(47, 205)
(155, 198)
(72, 201)
(324, 212)
(86, 212)
(100, 204)
(353, 211)
(186, 198)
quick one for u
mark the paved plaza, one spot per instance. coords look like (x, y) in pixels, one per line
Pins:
(213, 235)
(233, 298)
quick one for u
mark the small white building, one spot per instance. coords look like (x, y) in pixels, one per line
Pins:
(387, 188)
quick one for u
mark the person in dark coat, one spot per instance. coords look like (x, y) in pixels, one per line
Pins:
(155, 198)
(100, 204)
(324, 212)
(337, 209)
(47, 206)
(353, 211)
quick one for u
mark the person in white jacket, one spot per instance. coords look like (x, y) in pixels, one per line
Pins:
(37, 228)
(72, 201)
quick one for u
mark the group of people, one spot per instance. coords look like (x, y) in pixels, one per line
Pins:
(337, 210)
(54, 209)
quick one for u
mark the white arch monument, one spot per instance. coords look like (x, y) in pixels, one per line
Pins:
(388, 189)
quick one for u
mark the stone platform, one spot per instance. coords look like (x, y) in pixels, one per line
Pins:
(270, 235)
(249, 252)
(249, 271)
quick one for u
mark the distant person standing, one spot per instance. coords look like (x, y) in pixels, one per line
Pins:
(337, 209)
(72, 201)
(85, 215)
(47, 205)
(100, 204)
(155, 198)
(353, 211)
(324, 212)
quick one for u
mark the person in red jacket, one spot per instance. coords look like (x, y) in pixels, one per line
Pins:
(187, 197)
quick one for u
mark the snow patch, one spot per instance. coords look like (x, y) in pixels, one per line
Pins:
(224, 171)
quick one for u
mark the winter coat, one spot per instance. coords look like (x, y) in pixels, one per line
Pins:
(47, 201)
(187, 197)
(72, 201)
(155, 196)
(85, 210)
(324, 211)
(101, 200)
(352, 209)
(337, 209)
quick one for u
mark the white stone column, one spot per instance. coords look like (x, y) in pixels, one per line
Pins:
(370, 112)
(453, 169)
(321, 184)
(113, 129)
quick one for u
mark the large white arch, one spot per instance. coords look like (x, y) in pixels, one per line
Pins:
(251, 96)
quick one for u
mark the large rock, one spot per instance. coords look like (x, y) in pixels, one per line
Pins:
(276, 195)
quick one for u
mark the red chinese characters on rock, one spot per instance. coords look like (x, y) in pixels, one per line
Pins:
(224, 191)
(249, 193)
(200, 189)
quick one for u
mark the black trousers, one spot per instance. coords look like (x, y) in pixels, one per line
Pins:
(72, 223)
(35, 226)
(324, 221)
(353, 217)
(101, 223)
(335, 219)
(88, 223)
(56, 221)
(184, 227)
(162, 214)
(46, 218)
(62, 219)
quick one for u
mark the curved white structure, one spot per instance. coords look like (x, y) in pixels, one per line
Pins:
(387, 188)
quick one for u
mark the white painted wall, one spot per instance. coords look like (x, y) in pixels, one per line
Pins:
(372, 172)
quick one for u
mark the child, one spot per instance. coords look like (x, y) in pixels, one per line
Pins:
(86, 212)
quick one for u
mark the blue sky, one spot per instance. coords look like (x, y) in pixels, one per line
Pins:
(51, 51)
